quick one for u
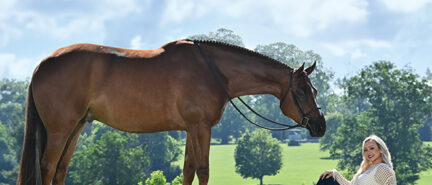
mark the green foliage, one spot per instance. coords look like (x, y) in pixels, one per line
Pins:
(232, 124)
(428, 74)
(334, 121)
(258, 154)
(163, 150)
(113, 159)
(178, 180)
(12, 106)
(156, 178)
(8, 162)
(425, 133)
(222, 35)
(392, 104)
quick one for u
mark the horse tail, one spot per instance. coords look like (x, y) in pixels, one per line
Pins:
(33, 145)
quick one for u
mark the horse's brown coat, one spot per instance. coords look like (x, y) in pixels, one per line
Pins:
(143, 91)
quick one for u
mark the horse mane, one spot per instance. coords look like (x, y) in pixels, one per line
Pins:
(239, 48)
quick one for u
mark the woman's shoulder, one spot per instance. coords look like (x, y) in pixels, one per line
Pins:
(383, 167)
(384, 173)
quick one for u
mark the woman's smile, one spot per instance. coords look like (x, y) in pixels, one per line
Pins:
(372, 152)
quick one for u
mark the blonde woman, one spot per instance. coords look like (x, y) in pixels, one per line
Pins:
(375, 169)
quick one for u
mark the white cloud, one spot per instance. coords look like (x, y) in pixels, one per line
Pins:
(73, 21)
(6, 7)
(357, 53)
(335, 49)
(17, 68)
(353, 47)
(301, 18)
(405, 5)
(177, 11)
(136, 43)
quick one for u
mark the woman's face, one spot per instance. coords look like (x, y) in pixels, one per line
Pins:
(372, 153)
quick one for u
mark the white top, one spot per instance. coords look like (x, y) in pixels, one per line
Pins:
(379, 174)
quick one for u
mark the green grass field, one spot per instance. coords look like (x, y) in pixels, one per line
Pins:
(301, 165)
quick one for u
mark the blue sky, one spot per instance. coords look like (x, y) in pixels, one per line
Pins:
(348, 34)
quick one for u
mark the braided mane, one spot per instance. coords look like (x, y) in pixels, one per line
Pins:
(223, 44)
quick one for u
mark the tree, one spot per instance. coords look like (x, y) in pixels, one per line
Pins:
(178, 180)
(232, 124)
(333, 121)
(392, 104)
(163, 151)
(258, 154)
(116, 158)
(8, 161)
(156, 178)
(221, 35)
(428, 74)
(12, 105)
(425, 133)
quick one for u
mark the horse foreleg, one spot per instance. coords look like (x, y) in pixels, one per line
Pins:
(200, 135)
(189, 162)
(63, 164)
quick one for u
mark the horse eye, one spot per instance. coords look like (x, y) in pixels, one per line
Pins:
(300, 92)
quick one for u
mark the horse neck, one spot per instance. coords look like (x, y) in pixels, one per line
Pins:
(249, 74)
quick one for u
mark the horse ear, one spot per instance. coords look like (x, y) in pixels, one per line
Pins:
(310, 69)
(300, 69)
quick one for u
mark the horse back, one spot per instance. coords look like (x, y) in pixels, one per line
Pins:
(132, 90)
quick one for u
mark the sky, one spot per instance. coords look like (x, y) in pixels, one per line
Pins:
(347, 34)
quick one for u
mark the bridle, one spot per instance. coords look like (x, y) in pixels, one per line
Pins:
(305, 119)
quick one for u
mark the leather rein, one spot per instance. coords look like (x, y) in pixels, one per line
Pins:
(305, 119)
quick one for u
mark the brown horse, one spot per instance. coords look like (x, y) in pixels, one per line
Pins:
(143, 91)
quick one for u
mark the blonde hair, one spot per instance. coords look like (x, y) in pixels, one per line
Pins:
(385, 154)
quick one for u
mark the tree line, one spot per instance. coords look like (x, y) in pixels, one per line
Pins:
(381, 99)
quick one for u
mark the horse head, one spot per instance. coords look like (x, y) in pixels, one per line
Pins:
(299, 102)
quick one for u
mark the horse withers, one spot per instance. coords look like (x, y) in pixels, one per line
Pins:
(144, 91)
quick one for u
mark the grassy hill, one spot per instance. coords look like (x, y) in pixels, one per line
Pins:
(301, 165)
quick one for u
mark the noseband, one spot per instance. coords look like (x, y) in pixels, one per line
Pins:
(305, 119)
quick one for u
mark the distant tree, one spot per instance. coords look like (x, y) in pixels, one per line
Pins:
(222, 35)
(12, 105)
(233, 124)
(333, 121)
(392, 104)
(428, 74)
(425, 133)
(8, 158)
(163, 151)
(156, 178)
(116, 158)
(178, 180)
(257, 155)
